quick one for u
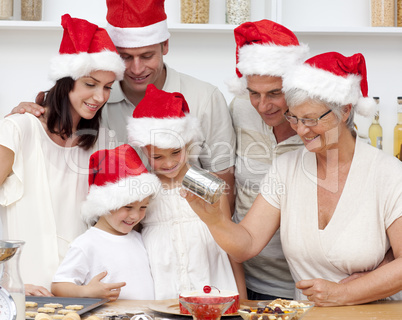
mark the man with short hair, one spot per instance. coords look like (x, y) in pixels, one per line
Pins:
(265, 50)
(139, 32)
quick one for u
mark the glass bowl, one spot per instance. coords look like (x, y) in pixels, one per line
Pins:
(248, 313)
(208, 309)
(301, 306)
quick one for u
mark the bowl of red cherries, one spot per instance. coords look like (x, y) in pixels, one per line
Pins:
(210, 303)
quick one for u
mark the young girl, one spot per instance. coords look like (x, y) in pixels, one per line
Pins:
(182, 253)
(43, 172)
(109, 260)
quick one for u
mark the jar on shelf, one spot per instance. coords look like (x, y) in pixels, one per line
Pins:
(238, 11)
(6, 9)
(31, 10)
(399, 13)
(194, 11)
(382, 13)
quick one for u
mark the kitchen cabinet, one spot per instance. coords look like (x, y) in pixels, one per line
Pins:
(207, 51)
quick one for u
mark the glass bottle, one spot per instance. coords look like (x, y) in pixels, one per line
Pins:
(31, 10)
(398, 131)
(382, 13)
(10, 273)
(6, 9)
(194, 11)
(375, 129)
(237, 11)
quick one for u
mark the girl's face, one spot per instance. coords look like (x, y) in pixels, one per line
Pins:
(325, 134)
(90, 93)
(123, 220)
(166, 162)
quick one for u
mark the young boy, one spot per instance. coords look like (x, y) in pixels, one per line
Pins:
(109, 260)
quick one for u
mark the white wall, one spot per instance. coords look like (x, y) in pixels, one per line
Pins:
(25, 54)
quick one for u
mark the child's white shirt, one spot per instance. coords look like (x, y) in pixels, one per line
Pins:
(123, 257)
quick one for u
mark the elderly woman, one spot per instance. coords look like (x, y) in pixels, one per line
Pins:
(338, 201)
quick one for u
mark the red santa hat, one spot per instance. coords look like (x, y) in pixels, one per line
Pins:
(264, 48)
(117, 177)
(84, 48)
(133, 24)
(334, 78)
(163, 119)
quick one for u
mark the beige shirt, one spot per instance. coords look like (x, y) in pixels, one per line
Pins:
(268, 272)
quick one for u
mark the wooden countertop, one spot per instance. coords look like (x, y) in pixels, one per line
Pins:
(383, 310)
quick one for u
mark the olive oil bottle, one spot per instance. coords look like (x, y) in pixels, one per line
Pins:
(375, 129)
(398, 131)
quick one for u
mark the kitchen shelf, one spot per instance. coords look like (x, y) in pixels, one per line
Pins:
(216, 28)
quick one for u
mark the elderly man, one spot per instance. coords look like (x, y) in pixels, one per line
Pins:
(265, 50)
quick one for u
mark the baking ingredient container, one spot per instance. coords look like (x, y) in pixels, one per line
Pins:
(237, 11)
(31, 10)
(194, 11)
(382, 13)
(6, 9)
(399, 13)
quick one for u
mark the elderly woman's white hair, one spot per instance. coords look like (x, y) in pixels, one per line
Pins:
(296, 97)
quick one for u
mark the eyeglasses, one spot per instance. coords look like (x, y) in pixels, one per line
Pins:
(306, 121)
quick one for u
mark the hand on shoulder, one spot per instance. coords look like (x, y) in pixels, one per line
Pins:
(29, 107)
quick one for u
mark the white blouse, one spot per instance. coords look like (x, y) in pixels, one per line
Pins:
(355, 239)
(42, 196)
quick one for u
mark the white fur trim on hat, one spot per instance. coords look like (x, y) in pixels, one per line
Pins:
(270, 59)
(323, 84)
(112, 196)
(78, 65)
(164, 133)
(266, 60)
(138, 37)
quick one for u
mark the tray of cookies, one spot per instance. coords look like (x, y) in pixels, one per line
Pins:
(57, 307)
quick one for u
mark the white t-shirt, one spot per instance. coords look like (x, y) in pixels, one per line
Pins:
(355, 239)
(123, 257)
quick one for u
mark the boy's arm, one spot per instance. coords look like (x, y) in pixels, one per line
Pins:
(38, 291)
(94, 289)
